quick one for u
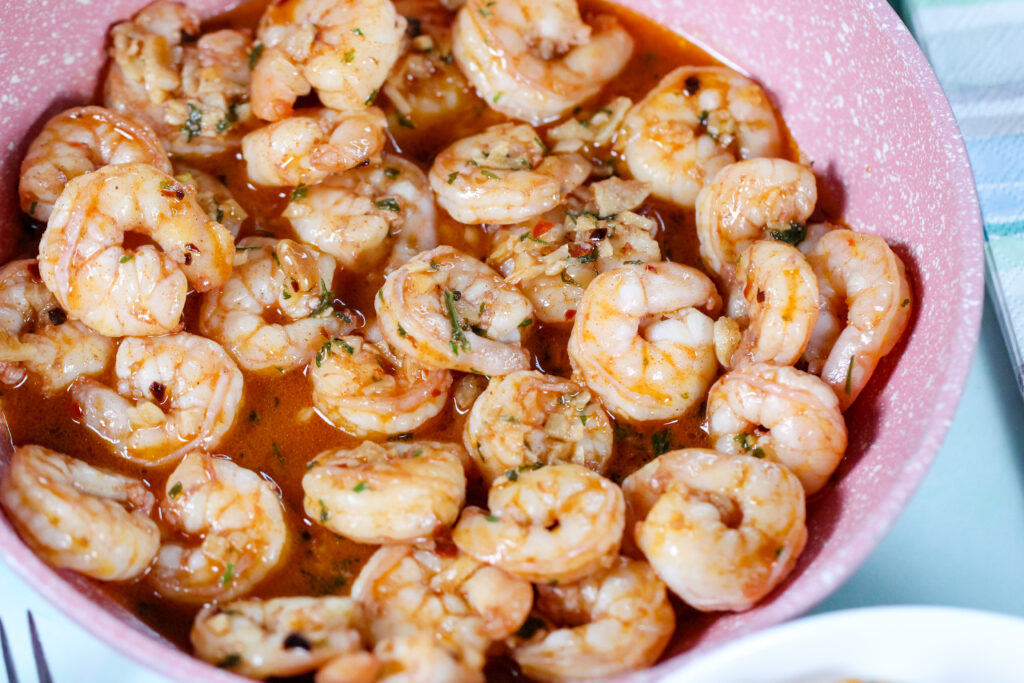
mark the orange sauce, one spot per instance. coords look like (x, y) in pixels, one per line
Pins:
(270, 436)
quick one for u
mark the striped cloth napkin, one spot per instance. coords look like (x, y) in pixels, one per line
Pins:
(977, 50)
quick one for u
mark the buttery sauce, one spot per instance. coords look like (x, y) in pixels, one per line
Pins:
(276, 432)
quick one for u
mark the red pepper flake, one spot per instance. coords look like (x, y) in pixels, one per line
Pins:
(188, 259)
(33, 270)
(193, 248)
(76, 411)
(159, 391)
(577, 250)
(570, 314)
(435, 393)
(541, 228)
(650, 268)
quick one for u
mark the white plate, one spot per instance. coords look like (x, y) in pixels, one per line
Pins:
(878, 644)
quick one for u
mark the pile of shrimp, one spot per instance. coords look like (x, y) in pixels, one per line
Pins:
(159, 294)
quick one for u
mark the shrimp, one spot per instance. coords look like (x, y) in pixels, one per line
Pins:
(694, 123)
(80, 517)
(193, 92)
(306, 148)
(721, 530)
(131, 292)
(214, 196)
(78, 141)
(534, 60)
(235, 522)
(780, 414)
(779, 304)
(863, 280)
(38, 339)
(279, 637)
(557, 523)
(412, 658)
(555, 257)
(748, 201)
(174, 394)
(461, 604)
(343, 49)
(445, 309)
(386, 493)
(503, 175)
(528, 419)
(367, 390)
(613, 622)
(369, 214)
(642, 339)
(279, 280)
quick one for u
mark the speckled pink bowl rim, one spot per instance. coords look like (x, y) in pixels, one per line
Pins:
(862, 102)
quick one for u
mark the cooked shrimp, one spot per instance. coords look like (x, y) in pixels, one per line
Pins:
(214, 196)
(367, 390)
(781, 414)
(174, 394)
(386, 493)
(118, 291)
(864, 281)
(343, 49)
(38, 339)
(365, 215)
(503, 175)
(554, 258)
(558, 523)
(78, 141)
(193, 92)
(413, 658)
(79, 517)
(235, 522)
(308, 147)
(748, 201)
(277, 280)
(643, 342)
(280, 637)
(534, 60)
(463, 604)
(695, 122)
(445, 309)
(721, 530)
(778, 303)
(528, 419)
(616, 621)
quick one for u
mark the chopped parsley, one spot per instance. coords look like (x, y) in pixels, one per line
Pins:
(193, 125)
(849, 376)
(794, 234)
(126, 258)
(300, 192)
(326, 300)
(459, 339)
(488, 174)
(360, 487)
(391, 172)
(526, 322)
(388, 204)
(255, 54)
(230, 661)
(349, 56)
(229, 574)
(324, 515)
(491, 518)
(452, 176)
(175, 490)
(661, 442)
(530, 627)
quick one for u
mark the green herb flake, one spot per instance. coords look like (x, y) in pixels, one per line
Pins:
(300, 192)
(583, 418)
(193, 125)
(530, 627)
(417, 453)
(345, 346)
(285, 294)
(568, 279)
(703, 118)
(497, 97)
(229, 574)
(904, 303)
(459, 339)
(254, 416)
(849, 376)
(349, 56)
(326, 300)
(488, 174)
(372, 97)
(230, 661)
(401, 332)
(526, 322)
(360, 487)
(126, 258)
(661, 442)
(794, 234)
(744, 441)
(512, 475)
(357, 31)
(404, 122)
(277, 452)
(32, 207)
(311, 464)
(478, 331)
(324, 515)
(491, 518)
(323, 353)
(452, 177)
(388, 204)
(255, 54)
(404, 436)
(175, 490)
(391, 172)
(779, 551)
(509, 418)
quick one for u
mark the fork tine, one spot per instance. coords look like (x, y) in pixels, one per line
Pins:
(12, 675)
(42, 670)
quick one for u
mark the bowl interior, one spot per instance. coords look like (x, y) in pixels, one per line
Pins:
(862, 103)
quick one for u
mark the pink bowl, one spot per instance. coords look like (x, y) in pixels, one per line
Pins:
(860, 100)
